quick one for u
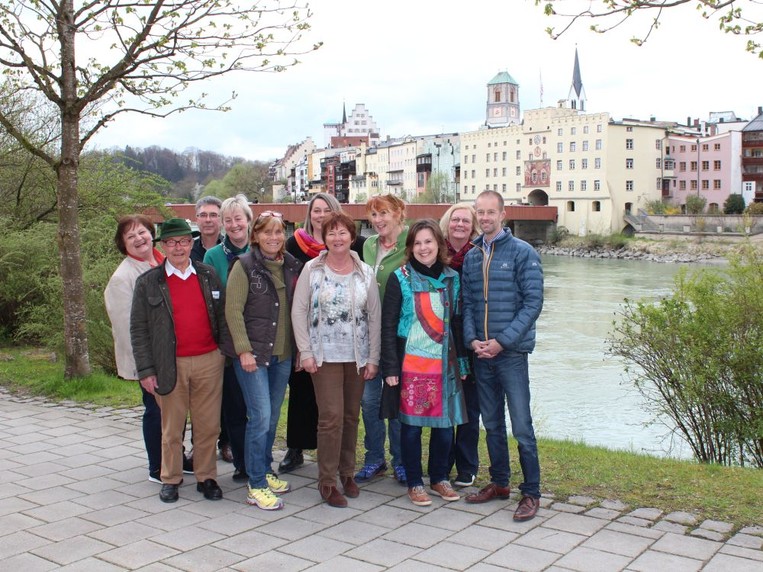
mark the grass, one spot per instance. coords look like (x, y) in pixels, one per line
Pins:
(568, 468)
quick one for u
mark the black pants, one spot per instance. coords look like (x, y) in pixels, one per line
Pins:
(302, 421)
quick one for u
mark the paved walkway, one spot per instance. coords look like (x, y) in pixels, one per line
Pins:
(74, 496)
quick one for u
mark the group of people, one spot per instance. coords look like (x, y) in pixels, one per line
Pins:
(421, 326)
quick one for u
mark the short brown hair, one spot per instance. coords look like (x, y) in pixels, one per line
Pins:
(335, 220)
(127, 222)
(424, 224)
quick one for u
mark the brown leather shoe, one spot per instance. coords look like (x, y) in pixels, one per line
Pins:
(490, 492)
(226, 453)
(527, 509)
(350, 487)
(332, 496)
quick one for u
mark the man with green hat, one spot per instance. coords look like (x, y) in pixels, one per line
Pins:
(177, 319)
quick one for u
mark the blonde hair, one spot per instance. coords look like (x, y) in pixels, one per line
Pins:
(445, 220)
(238, 202)
(330, 200)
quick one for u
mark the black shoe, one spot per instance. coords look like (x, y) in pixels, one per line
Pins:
(240, 475)
(464, 480)
(188, 465)
(292, 460)
(169, 493)
(210, 489)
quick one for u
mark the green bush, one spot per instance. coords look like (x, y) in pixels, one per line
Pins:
(696, 357)
(656, 207)
(616, 241)
(37, 317)
(734, 204)
(695, 204)
(755, 209)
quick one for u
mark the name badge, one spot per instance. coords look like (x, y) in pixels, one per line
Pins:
(216, 294)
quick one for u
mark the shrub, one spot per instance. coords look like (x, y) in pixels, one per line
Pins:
(696, 357)
(616, 241)
(755, 209)
(655, 207)
(695, 204)
(559, 234)
(734, 204)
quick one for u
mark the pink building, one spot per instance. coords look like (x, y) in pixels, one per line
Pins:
(707, 166)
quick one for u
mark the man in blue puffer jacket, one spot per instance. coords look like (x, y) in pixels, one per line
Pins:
(502, 285)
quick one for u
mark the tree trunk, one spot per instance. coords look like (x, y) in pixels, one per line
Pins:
(75, 324)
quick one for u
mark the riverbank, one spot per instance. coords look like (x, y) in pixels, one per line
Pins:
(703, 251)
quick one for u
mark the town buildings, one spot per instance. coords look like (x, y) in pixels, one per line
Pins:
(596, 170)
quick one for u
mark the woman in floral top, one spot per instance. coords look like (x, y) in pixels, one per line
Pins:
(336, 317)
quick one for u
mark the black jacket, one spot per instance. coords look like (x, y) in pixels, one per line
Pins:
(152, 327)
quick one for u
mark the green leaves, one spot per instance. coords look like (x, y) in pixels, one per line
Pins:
(698, 357)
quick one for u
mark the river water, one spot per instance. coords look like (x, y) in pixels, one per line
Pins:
(578, 391)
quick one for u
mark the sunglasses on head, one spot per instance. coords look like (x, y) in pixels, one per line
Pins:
(267, 214)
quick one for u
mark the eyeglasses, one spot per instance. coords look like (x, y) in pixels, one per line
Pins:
(208, 215)
(456, 220)
(267, 214)
(487, 213)
(172, 243)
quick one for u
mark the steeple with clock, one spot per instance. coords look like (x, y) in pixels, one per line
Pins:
(502, 101)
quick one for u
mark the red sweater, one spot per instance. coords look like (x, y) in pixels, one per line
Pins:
(193, 332)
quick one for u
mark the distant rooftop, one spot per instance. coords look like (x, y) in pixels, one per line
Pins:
(756, 124)
(502, 77)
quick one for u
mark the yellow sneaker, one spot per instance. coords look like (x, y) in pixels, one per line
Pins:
(264, 499)
(277, 485)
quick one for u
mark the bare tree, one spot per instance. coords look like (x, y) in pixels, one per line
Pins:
(95, 59)
(738, 17)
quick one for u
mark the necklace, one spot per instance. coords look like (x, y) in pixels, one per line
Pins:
(342, 268)
(386, 245)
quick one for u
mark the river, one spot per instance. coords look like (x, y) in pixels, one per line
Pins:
(578, 391)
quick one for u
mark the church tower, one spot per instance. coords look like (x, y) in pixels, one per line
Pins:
(502, 101)
(577, 96)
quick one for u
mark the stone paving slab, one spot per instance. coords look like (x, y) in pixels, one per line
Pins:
(75, 497)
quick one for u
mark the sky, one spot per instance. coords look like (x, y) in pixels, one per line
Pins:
(421, 67)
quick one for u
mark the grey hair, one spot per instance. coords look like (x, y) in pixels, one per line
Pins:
(208, 200)
(330, 200)
(238, 202)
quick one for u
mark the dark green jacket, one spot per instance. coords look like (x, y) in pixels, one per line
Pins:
(152, 327)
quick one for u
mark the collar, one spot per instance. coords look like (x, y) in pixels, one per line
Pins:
(170, 270)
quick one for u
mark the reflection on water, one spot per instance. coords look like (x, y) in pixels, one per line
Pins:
(580, 392)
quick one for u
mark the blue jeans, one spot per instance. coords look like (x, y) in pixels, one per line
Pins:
(263, 392)
(501, 379)
(440, 443)
(370, 404)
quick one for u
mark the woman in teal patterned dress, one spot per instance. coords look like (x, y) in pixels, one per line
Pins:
(420, 352)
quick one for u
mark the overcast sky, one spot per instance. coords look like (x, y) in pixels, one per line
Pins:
(421, 67)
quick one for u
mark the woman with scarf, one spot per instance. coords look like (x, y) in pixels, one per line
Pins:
(302, 421)
(459, 225)
(135, 239)
(423, 353)
(236, 216)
